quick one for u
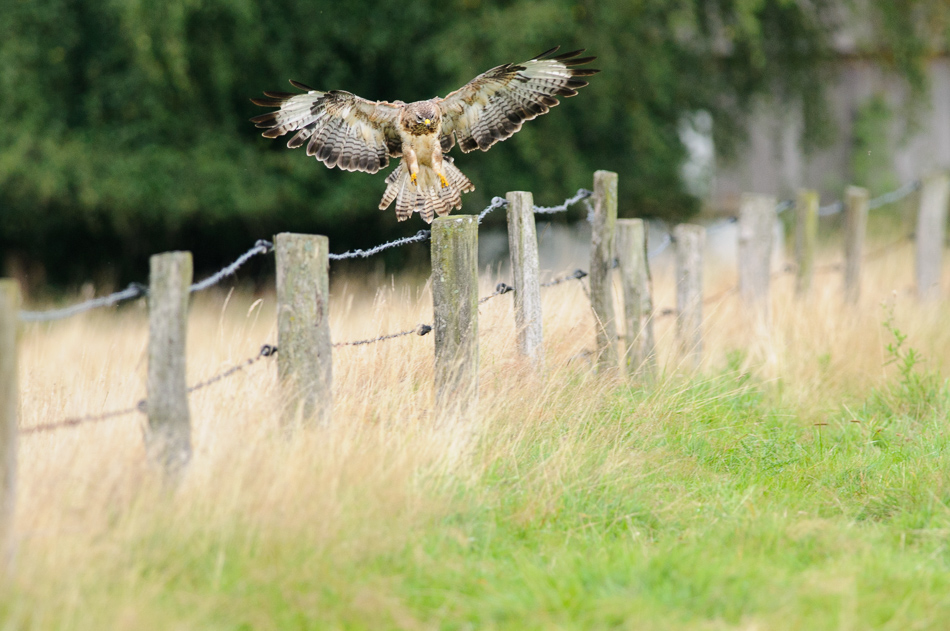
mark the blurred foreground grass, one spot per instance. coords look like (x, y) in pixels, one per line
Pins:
(799, 480)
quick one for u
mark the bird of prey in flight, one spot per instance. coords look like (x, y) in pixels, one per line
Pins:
(343, 130)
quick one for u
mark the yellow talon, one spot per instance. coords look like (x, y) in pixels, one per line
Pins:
(412, 177)
(445, 182)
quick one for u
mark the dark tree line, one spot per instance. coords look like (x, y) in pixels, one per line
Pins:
(125, 125)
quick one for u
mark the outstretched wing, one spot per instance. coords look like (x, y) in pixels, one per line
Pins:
(493, 105)
(340, 129)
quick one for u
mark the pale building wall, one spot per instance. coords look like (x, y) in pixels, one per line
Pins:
(773, 162)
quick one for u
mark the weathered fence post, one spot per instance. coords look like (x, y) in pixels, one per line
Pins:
(855, 227)
(756, 229)
(455, 306)
(603, 225)
(806, 232)
(525, 275)
(9, 306)
(304, 357)
(930, 233)
(639, 344)
(690, 241)
(168, 439)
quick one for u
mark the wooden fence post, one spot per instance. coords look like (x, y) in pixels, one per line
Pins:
(455, 305)
(168, 439)
(525, 275)
(855, 227)
(756, 229)
(639, 344)
(930, 233)
(690, 240)
(9, 307)
(806, 232)
(603, 225)
(304, 357)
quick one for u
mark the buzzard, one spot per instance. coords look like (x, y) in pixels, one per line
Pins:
(343, 130)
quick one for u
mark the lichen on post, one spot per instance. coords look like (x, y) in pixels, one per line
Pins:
(304, 360)
(455, 308)
(603, 226)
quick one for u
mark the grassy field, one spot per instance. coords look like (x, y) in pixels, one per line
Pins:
(799, 480)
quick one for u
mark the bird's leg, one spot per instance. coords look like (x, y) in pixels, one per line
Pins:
(437, 164)
(412, 162)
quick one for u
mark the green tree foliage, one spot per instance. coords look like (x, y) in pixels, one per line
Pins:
(125, 121)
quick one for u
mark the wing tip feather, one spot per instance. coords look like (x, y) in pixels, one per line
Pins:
(580, 61)
(546, 53)
(302, 86)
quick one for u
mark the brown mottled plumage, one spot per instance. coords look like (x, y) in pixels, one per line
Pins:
(343, 130)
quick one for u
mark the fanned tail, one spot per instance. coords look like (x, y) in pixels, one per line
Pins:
(427, 196)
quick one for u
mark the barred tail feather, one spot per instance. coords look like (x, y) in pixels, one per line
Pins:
(427, 196)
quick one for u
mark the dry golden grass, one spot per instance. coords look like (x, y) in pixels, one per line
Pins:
(94, 526)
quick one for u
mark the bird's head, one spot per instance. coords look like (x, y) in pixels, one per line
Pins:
(423, 118)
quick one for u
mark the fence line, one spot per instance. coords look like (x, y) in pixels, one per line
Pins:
(419, 237)
(422, 329)
(500, 288)
(577, 274)
(425, 329)
(133, 291)
(791, 268)
(581, 194)
(267, 350)
(881, 200)
(894, 196)
(136, 290)
(260, 247)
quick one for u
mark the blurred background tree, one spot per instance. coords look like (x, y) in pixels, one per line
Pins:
(125, 125)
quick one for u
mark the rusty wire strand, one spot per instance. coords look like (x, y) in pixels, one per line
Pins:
(267, 350)
(575, 275)
(142, 405)
(422, 329)
(500, 288)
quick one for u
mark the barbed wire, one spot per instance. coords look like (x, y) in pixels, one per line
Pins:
(581, 194)
(590, 211)
(500, 288)
(894, 196)
(260, 247)
(881, 200)
(133, 291)
(267, 350)
(139, 290)
(422, 329)
(785, 204)
(496, 203)
(79, 420)
(424, 235)
(719, 225)
(575, 275)
(419, 237)
(888, 248)
(830, 209)
(664, 243)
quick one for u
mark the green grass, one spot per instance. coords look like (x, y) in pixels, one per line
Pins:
(806, 491)
(702, 505)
